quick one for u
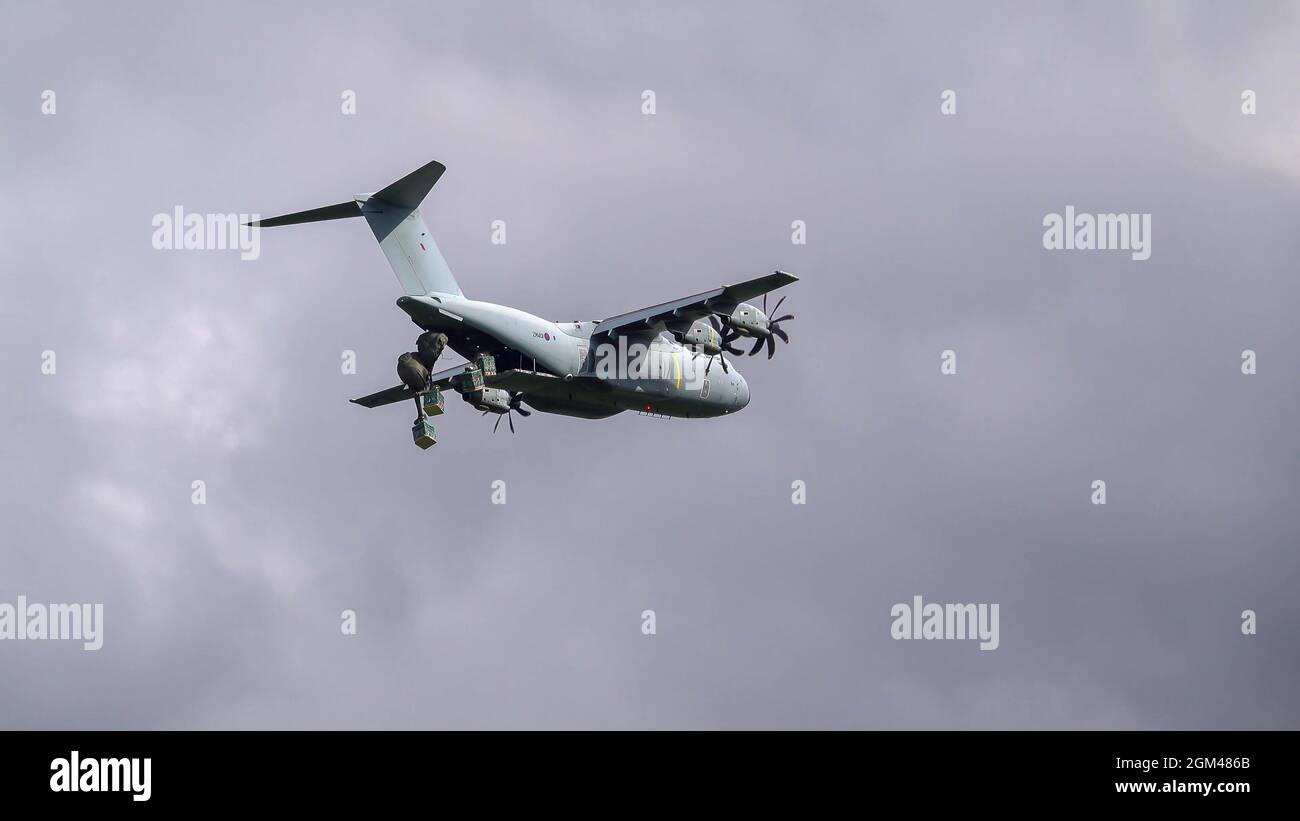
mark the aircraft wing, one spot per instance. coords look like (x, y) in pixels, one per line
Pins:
(543, 384)
(399, 393)
(533, 383)
(719, 300)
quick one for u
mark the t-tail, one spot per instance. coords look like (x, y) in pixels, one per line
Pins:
(394, 216)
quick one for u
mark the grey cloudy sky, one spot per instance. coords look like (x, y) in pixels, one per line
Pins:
(924, 233)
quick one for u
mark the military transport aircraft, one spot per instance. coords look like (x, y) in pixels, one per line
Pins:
(657, 360)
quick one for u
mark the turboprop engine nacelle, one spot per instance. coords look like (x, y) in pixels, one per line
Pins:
(704, 336)
(495, 400)
(748, 320)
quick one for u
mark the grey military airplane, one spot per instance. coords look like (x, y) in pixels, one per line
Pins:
(657, 360)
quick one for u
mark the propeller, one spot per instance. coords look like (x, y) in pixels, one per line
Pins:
(716, 322)
(729, 335)
(515, 407)
(774, 330)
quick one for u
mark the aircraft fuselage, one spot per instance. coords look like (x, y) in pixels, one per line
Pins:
(649, 372)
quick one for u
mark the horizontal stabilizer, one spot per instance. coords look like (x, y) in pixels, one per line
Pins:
(330, 212)
(410, 191)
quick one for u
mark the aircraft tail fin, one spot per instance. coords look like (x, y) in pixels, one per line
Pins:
(394, 217)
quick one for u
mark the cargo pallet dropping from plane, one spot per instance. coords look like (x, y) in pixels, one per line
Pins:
(657, 360)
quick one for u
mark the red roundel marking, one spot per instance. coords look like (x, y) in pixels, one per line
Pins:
(548, 337)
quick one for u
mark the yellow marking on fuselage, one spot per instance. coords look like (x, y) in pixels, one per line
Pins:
(678, 363)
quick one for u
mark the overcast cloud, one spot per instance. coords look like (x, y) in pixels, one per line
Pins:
(924, 234)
